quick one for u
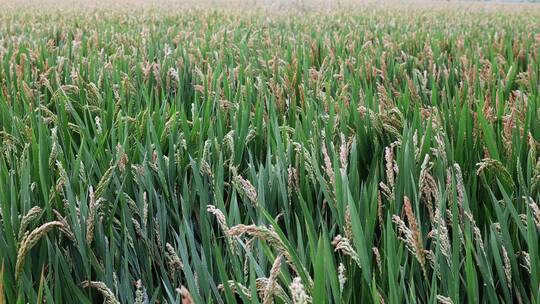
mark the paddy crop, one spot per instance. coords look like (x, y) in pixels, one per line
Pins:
(361, 155)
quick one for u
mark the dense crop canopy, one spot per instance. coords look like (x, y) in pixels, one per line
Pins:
(362, 155)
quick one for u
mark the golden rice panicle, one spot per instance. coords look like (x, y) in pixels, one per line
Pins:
(380, 210)
(460, 184)
(526, 260)
(348, 224)
(262, 284)
(441, 234)
(140, 294)
(186, 295)
(536, 212)
(122, 158)
(267, 234)
(342, 276)
(429, 190)
(328, 167)
(29, 241)
(293, 181)
(271, 285)
(344, 150)
(31, 215)
(411, 234)
(507, 267)
(298, 292)
(244, 186)
(220, 217)
(108, 295)
(66, 229)
(417, 234)
(377, 258)
(174, 263)
(237, 288)
(389, 158)
(93, 207)
(342, 244)
(444, 300)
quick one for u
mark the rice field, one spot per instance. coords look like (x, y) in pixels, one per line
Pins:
(213, 155)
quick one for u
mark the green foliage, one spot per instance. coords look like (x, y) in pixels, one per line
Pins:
(197, 156)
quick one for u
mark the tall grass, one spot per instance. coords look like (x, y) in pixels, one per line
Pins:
(198, 156)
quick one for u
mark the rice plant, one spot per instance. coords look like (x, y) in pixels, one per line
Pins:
(355, 155)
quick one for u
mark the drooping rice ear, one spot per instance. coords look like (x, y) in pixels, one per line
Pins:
(108, 295)
(29, 241)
